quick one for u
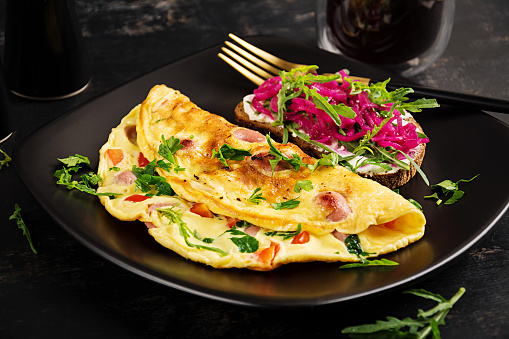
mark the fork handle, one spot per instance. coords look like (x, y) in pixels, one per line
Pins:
(455, 98)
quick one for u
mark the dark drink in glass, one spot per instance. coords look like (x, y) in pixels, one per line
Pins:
(398, 34)
(44, 53)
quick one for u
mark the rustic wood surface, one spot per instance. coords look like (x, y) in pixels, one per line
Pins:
(67, 290)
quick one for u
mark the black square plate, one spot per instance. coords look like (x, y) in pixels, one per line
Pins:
(463, 143)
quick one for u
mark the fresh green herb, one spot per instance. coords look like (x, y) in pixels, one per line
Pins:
(72, 165)
(415, 203)
(6, 161)
(115, 169)
(167, 149)
(295, 83)
(175, 216)
(366, 263)
(246, 243)
(285, 234)
(256, 197)
(227, 152)
(21, 225)
(147, 178)
(425, 324)
(423, 176)
(353, 245)
(292, 203)
(305, 185)
(295, 161)
(448, 189)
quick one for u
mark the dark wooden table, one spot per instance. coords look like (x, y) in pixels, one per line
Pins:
(67, 290)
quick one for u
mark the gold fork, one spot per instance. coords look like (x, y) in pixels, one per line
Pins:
(249, 63)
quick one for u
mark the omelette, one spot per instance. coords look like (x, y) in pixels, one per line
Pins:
(227, 196)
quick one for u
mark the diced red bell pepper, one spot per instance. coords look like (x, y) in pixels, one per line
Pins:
(301, 238)
(202, 210)
(116, 155)
(136, 198)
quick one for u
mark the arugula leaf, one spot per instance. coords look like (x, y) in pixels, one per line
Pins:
(448, 189)
(175, 216)
(418, 169)
(256, 197)
(285, 234)
(6, 161)
(295, 161)
(167, 149)
(353, 246)
(231, 153)
(374, 262)
(292, 203)
(21, 225)
(305, 185)
(425, 324)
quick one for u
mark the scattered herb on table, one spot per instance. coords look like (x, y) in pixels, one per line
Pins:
(6, 161)
(448, 189)
(21, 225)
(426, 323)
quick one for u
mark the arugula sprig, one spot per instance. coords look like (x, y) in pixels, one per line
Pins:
(295, 161)
(426, 323)
(22, 226)
(227, 152)
(175, 216)
(72, 165)
(295, 83)
(6, 161)
(448, 189)
(353, 246)
(285, 234)
(246, 243)
(289, 204)
(256, 196)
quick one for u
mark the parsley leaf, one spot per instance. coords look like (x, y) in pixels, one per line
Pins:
(167, 149)
(245, 243)
(229, 152)
(72, 165)
(175, 216)
(256, 197)
(6, 161)
(146, 178)
(448, 189)
(21, 225)
(292, 203)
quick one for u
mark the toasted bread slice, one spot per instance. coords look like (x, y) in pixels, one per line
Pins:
(392, 179)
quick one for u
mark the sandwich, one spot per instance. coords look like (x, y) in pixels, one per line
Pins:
(370, 129)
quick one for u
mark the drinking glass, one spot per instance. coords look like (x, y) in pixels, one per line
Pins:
(44, 55)
(404, 36)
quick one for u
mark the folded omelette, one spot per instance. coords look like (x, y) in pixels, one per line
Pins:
(239, 199)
